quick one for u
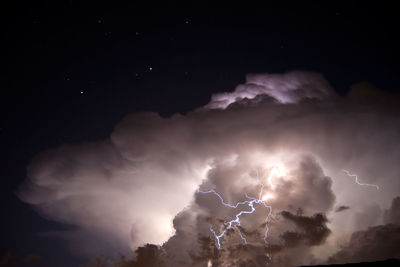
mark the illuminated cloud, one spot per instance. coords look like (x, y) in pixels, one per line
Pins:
(290, 87)
(289, 132)
(298, 219)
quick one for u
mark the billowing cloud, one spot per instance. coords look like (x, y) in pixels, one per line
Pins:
(290, 87)
(375, 243)
(287, 136)
(313, 230)
(285, 231)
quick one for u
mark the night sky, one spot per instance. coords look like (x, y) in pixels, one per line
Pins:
(73, 69)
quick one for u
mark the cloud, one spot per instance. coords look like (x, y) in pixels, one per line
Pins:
(234, 179)
(312, 230)
(291, 87)
(342, 208)
(289, 132)
(393, 214)
(374, 243)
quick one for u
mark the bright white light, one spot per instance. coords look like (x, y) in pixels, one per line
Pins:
(275, 172)
(267, 197)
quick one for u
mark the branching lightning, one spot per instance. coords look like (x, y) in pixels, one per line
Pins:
(357, 182)
(236, 222)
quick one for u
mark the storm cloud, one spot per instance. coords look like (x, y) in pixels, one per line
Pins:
(288, 132)
(374, 243)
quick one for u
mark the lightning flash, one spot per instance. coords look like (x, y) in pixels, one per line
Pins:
(357, 182)
(251, 202)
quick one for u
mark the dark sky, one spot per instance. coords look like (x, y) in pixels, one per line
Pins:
(73, 69)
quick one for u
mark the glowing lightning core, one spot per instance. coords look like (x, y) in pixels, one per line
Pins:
(236, 221)
(357, 182)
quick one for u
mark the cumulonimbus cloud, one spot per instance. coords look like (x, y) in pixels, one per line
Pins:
(290, 132)
(374, 243)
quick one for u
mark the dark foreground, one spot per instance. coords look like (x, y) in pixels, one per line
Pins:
(388, 262)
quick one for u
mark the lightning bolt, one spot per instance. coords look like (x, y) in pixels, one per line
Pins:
(357, 182)
(236, 222)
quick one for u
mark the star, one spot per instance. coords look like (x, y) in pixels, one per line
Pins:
(82, 92)
(150, 69)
